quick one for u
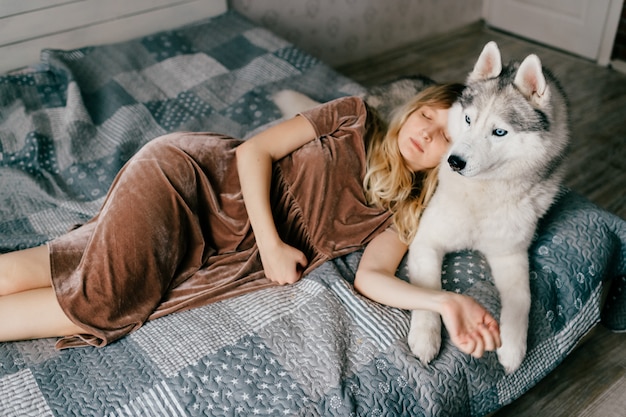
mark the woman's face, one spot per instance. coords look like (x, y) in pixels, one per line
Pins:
(423, 138)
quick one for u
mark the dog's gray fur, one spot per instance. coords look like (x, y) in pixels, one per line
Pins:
(503, 170)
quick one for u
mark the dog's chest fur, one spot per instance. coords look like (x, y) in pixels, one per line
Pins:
(484, 215)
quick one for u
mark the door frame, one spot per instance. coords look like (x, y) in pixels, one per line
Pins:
(610, 30)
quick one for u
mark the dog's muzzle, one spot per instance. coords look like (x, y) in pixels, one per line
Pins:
(456, 163)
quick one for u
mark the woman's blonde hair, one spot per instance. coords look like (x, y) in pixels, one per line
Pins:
(388, 182)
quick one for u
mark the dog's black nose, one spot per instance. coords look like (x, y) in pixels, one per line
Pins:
(456, 162)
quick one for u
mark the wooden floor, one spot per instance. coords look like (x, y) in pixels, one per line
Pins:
(592, 380)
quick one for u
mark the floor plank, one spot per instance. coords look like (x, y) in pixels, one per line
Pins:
(589, 375)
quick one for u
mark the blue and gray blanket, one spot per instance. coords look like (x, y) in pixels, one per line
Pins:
(315, 348)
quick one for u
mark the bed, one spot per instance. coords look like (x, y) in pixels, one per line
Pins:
(315, 348)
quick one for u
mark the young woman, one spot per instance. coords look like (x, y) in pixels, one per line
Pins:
(194, 218)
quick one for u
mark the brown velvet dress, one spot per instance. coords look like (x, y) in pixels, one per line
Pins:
(173, 232)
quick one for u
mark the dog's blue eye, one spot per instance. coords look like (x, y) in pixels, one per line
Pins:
(499, 132)
(467, 119)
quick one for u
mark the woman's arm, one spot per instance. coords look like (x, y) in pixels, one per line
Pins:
(282, 263)
(375, 277)
(472, 329)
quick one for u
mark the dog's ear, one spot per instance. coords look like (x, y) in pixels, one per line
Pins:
(531, 81)
(489, 64)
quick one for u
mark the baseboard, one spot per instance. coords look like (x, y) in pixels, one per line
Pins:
(619, 65)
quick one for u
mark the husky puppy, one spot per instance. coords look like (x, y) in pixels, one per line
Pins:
(509, 133)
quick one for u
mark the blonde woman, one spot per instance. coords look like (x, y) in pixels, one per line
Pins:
(194, 218)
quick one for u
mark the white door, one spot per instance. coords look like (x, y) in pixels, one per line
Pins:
(583, 27)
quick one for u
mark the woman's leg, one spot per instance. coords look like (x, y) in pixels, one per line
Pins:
(24, 270)
(33, 314)
(28, 304)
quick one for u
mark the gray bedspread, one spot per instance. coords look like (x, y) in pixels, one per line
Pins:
(315, 348)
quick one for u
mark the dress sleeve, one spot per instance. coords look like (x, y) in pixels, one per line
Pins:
(319, 186)
(329, 117)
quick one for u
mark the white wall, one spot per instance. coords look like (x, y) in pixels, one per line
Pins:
(27, 26)
(344, 31)
(336, 31)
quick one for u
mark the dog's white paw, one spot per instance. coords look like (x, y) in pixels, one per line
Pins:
(511, 356)
(425, 335)
(513, 335)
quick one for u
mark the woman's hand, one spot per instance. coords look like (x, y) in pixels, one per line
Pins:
(472, 329)
(283, 264)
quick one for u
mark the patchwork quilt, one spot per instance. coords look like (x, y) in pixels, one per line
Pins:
(315, 348)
